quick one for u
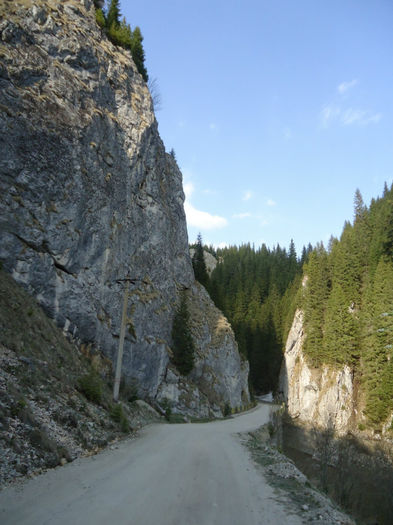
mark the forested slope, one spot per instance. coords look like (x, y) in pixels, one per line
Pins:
(348, 304)
(256, 288)
(347, 300)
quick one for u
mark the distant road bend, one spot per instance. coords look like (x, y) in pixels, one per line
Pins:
(190, 474)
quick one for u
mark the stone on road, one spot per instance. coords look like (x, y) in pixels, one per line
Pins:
(196, 474)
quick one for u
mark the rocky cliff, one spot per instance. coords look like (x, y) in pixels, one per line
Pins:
(89, 198)
(322, 397)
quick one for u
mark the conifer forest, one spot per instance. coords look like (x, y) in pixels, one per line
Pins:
(345, 290)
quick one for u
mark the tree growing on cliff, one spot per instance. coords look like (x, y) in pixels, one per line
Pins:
(113, 16)
(183, 347)
(119, 33)
(138, 53)
(198, 263)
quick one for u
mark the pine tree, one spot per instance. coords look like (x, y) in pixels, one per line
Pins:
(100, 18)
(378, 345)
(316, 292)
(340, 331)
(360, 209)
(138, 54)
(113, 16)
(198, 263)
(183, 345)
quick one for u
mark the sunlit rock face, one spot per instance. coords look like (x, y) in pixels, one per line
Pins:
(322, 396)
(89, 198)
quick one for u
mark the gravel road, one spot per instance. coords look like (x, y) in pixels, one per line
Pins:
(189, 474)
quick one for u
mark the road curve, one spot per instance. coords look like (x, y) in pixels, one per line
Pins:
(195, 474)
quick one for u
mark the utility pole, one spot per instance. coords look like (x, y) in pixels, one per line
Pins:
(119, 361)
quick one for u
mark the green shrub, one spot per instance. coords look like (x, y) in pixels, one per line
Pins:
(128, 391)
(117, 414)
(90, 385)
(227, 410)
(18, 407)
(166, 405)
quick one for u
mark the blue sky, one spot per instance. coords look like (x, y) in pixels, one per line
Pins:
(277, 111)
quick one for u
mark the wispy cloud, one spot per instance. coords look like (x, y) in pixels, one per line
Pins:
(271, 202)
(340, 112)
(241, 215)
(287, 133)
(359, 116)
(333, 113)
(329, 113)
(247, 195)
(346, 86)
(213, 126)
(200, 219)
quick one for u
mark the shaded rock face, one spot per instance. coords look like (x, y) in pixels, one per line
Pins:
(321, 397)
(88, 195)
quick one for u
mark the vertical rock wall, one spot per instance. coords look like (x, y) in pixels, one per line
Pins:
(323, 397)
(88, 195)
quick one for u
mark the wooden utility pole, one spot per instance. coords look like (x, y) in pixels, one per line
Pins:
(119, 361)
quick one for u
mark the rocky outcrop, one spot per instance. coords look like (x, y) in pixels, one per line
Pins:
(219, 372)
(321, 397)
(89, 198)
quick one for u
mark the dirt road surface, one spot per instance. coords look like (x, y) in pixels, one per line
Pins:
(189, 474)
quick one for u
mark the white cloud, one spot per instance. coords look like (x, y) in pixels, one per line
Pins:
(329, 113)
(345, 86)
(241, 215)
(213, 126)
(203, 219)
(348, 116)
(271, 202)
(359, 116)
(188, 189)
(200, 219)
(247, 195)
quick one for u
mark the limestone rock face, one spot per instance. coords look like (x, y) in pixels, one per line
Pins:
(88, 195)
(219, 372)
(323, 397)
